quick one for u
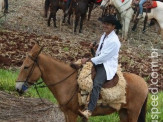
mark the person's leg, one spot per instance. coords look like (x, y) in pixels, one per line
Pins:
(141, 8)
(99, 80)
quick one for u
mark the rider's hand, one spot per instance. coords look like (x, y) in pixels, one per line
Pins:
(91, 45)
(84, 60)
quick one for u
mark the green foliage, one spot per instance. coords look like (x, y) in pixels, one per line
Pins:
(7, 83)
(109, 118)
(7, 80)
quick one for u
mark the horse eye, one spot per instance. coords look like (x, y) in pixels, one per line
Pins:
(26, 67)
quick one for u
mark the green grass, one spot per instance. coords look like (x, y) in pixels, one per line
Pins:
(7, 83)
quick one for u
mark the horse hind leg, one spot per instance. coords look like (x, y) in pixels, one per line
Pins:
(137, 113)
(46, 7)
(64, 18)
(49, 19)
(54, 19)
(68, 21)
(76, 22)
(81, 23)
(142, 114)
(123, 115)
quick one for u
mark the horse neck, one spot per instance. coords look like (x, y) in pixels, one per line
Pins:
(54, 71)
(121, 6)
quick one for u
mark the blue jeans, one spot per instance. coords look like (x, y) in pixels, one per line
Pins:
(141, 6)
(99, 80)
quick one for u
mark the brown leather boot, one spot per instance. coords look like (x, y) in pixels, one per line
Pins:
(86, 113)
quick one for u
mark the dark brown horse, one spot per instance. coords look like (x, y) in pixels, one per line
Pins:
(79, 7)
(54, 6)
(61, 79)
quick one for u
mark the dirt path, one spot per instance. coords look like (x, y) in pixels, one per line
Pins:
(20, 109)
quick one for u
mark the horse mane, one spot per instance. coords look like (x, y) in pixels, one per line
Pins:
(36, 50)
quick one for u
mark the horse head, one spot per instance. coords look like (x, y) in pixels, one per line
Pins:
(30, 71)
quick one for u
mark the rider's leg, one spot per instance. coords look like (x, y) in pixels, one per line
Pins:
(99, 80)
(141, 8)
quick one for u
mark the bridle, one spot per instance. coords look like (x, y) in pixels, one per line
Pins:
(27, 83)
(35, 60)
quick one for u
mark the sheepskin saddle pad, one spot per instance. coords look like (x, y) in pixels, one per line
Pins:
(112, 94)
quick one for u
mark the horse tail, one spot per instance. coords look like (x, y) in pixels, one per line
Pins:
(46, 7)
(142, 114)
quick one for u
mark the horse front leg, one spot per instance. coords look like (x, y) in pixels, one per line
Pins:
(90, 10)
(127, 23)
(84, 119)
(161, 27)
(69, 16)
(54, 19)
(81, 23)
(49, 19)
(70, 116)
(135, 24)
(64, 18)
(76, 22)
(46, 7)
(145, 23)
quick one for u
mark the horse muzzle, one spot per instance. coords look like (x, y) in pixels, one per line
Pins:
(21, 87)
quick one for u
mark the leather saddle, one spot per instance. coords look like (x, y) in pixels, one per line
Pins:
(147, 6)
(109, 83)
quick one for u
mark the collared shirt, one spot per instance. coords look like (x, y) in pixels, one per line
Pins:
(108, 55)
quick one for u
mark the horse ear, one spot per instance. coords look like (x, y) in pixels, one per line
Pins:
(35, 50)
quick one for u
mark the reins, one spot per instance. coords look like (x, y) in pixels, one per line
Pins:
(43, 86)
(27, 83)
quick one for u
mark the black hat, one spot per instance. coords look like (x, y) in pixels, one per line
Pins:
(111, 19)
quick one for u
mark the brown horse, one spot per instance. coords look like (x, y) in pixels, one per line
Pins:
(54, 6)
(61, 79)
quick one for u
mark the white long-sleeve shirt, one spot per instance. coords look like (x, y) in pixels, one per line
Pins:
(108, 55)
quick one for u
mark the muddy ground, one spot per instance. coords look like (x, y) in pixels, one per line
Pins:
(25, 24)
